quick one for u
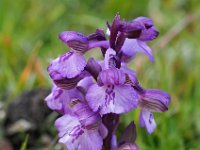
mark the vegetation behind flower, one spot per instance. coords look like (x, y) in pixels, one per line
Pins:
(28, 40)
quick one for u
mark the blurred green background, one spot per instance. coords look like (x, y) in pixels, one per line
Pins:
(28, 41)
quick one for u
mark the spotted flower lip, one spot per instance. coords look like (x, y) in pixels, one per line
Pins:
(147, 120)
(82, 130)
(75, 136)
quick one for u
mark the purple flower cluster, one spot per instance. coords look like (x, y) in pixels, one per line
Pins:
(91, 94)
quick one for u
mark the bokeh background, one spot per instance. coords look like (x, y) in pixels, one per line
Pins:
(28, 41)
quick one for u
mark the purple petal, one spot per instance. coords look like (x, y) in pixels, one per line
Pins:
(116, 99)
(59, 99)
(91, 140)
(132, 46)
(147, 22)
(88, 118)
(99, 35)
(132, 29)
(69, 128)
(75, 137)
(85, 83)
(114, 30)
(111, 76)
(131, 73)
(149, 34)
(75, 40)
(155, 100)
(147, 120)
(110, 53)
(68, 65)
(69, 83)
(53, 99)
(93, 68)
(146, 50)
(98, 39)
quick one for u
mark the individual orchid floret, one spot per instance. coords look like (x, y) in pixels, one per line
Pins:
(134, 45)
(83, 130)
(72, 63)
(152, 100)
(59, 99)
(111, 94)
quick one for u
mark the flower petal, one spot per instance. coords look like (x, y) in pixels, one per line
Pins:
(131, 29)
(68, 65)
(131, 73)
(147, 120)
(75, 137)
(132, 46)
(84, 84)
(110, 53)
(68, 127)
(146, 50)
(59, 99)
(91, 140)
(88, 118)
(149, 34)
(147, 22)
(93, 68)
(75, 40)
(70, 83)
(155, 100)
(111, 76)
(114, 30)
(116, 99)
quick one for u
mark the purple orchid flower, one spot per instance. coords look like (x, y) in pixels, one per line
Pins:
(111, 94)
(152, 100)
(91, 95)
(83, 130)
